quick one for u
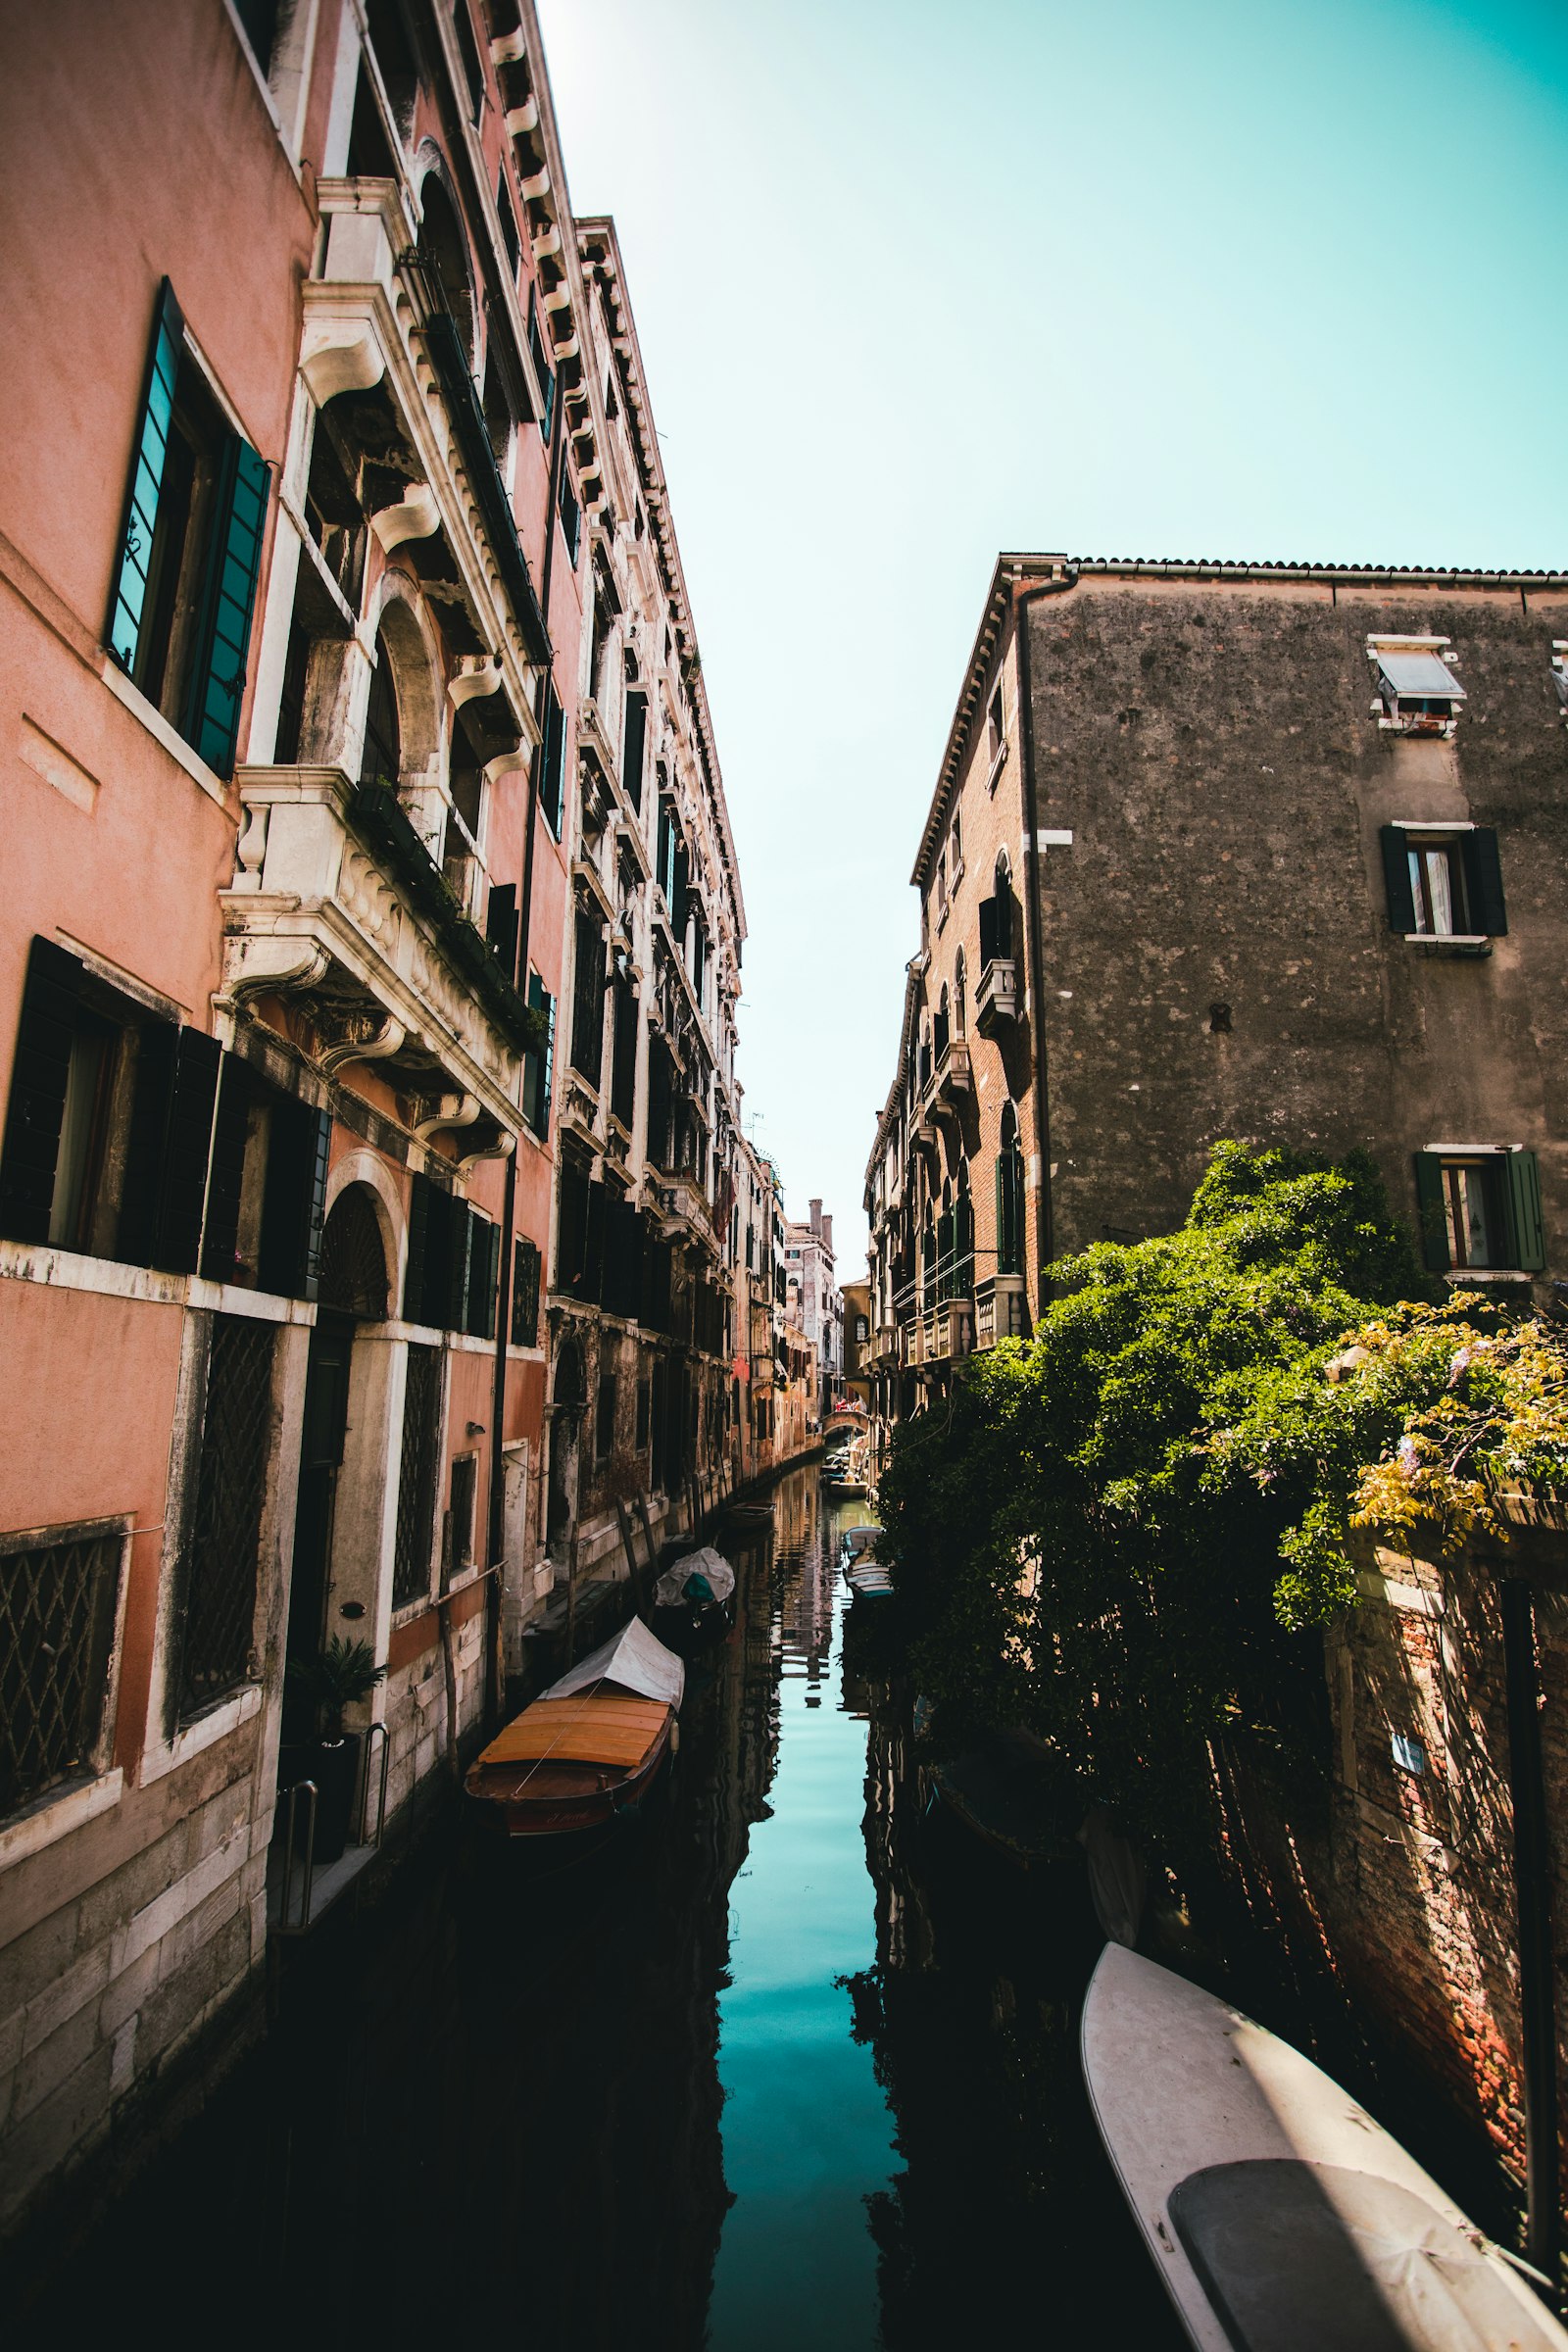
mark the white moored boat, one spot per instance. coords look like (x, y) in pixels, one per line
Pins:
(1280, 2217)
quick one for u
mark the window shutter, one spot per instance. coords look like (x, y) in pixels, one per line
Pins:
(1528, 1233)
(987, 932)
(680, 890)
(318, 1155)
(223, 626)
(1433, 1210)
(524, 1295)
(484, 1250)
(440, 1249)
(49, 999)
(551, 761)
(146, 1140)
(187, 1150)
(227, 1178)
(542, 1001)
(419, 1235)
(127, 595)
(632, 748)
(1396, 878)
(453, 1313)
(1483, 882)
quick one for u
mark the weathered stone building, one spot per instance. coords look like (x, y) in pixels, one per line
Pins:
(813, 1303)
(1272, 852)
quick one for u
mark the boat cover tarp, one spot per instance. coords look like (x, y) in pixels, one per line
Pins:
(635, 1660)
(1299, 2257)
(587, 1729)
(671, 1590)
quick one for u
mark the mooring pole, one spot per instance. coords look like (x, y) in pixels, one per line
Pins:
(1533, 1906)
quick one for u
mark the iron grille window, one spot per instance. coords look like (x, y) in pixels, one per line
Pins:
(57, 1626)
(416, 1476)
(218, 1629)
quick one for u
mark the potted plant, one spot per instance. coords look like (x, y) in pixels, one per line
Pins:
(343, 1672)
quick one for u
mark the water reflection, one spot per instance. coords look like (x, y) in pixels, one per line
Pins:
(721, 2086)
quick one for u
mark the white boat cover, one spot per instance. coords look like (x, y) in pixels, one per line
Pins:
(670, 1592)
(635, 1660)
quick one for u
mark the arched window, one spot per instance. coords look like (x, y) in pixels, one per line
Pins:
(382, 759)
(444, 252)
(353, 1271)
(1010, 1196)
(1005, 925)
(963, 1237)
(959, 995)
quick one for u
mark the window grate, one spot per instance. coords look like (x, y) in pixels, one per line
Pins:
(57, 1623)
(217, 1639)
(417, 1477)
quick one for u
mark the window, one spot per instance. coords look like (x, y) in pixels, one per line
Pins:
(570, 517)
(452, 1262)
(956, 849)
(553, 763)
(538, 1066)
(588, 998)
(524, 1295)
(1417, 692)
(58, 1598)
(417, 1477)
(1480, 1208)
(468, 51)
(623, 1055)
(1444, 881)
(996, 737)
(216, 1635)
(633, 744)
(1009, 1198)
(605, 1419)
(179, 612)
(542, 366)
(460, 1519)
(509, 223)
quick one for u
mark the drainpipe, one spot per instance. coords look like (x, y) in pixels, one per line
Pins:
(1044, 1227)
(494, 1668)
(1532, 1908)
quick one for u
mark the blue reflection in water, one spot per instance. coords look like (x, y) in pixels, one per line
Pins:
(807, 2135)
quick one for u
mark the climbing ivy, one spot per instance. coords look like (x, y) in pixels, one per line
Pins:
(1126, 1531)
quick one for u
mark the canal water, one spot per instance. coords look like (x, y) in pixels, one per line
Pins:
(795, 2067)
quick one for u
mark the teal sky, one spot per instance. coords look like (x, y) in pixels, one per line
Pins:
(916, 283)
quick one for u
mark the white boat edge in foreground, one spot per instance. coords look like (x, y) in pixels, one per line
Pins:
(1178, 2080)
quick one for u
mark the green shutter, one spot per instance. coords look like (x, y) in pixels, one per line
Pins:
(1482, 881)
(551, 761)
(1396, 879)
(294, 1204)
(50, 998)
(317, 1158)
(226, 1180)
(224, 628)
(1433, 1208)
(129, 594)
(1527, 1229)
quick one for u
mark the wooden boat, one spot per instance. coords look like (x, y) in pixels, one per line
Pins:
(584, 1755)
(869, 1581)
(855, 1543)
(694, 1600)
(749, 1514)
(1010, 1793)
(1280, 2217)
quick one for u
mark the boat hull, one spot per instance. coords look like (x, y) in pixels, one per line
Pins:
(533, 1800)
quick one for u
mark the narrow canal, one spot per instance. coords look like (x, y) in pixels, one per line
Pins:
(793, 2068)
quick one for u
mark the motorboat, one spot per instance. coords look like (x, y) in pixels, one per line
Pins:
(869, 1581)
(1280, 2217)
(694, 1599)
(586, 1754)
(857, 1541)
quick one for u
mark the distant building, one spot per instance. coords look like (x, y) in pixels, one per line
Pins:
(1268, 852)
(814, 1304)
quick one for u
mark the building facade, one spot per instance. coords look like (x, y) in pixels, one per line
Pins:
(340, 583)
(1264, 852)
(813, 1303)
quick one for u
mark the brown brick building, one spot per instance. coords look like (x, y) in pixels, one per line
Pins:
(1270, 852)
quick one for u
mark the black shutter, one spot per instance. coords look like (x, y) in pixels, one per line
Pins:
(50, 1000)
(524, 1295)
(294, 1201)
(420, 1192)
(484, 1250)
(146, 1142)
(678, 904)
(501, 927)
(552, 790)
(226, 1180)
(1396, 879)
(987, 932)
(435, 1287)
(454, 1307)
(1482, 883)
(632, 745)
(187, 1149)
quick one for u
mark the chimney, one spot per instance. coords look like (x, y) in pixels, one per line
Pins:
(816, 1217)
(827, 1235)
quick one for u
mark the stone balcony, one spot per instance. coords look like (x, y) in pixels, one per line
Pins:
(337, 909)
(684, 1205)
(954, 1076)
(997, 996)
